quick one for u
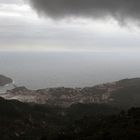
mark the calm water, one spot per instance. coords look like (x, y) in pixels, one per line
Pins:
(55, 69)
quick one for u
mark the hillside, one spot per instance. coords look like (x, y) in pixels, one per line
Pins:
(72, 114)
(33, 122)
(22, 121)
(5, 80)
(124, 93)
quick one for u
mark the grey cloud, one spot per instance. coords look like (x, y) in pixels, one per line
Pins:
(10, 1)
(121, 10)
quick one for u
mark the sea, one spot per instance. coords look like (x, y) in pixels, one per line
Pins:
(37, 70)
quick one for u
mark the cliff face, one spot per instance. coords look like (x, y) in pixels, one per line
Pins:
(5, 80)
(124, 92)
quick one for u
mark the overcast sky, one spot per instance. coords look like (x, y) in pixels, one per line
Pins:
(70, 25)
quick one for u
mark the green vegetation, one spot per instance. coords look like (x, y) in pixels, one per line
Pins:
(20, 121)
(128, 95)
(111, 120)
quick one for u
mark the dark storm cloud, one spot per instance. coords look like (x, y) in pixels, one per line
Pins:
(122, 10)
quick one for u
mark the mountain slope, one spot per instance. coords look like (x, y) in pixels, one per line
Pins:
(121, 93)
(21, 121)
(5, 80)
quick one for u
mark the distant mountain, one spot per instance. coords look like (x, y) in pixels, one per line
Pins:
(124, 93)
(5, 80)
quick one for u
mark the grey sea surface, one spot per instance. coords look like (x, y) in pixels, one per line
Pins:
(37, 70)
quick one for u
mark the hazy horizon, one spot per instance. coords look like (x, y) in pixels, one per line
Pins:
(37, 70)
(69, 43)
